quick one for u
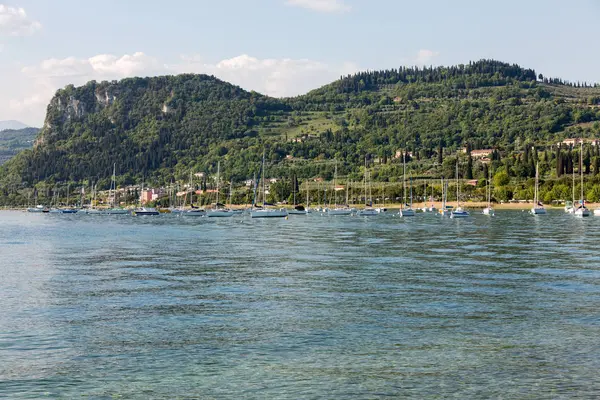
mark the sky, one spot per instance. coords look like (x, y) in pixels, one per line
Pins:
(278, 47)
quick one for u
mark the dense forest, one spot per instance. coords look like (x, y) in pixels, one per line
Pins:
(158, 130)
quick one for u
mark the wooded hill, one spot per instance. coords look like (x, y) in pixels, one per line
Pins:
(159, 129)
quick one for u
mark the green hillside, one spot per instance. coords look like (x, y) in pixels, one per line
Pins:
(14, 140)
(159, 129)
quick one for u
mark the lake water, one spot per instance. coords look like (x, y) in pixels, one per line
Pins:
(311, 307)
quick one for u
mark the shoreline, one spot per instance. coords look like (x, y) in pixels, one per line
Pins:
(436, 204)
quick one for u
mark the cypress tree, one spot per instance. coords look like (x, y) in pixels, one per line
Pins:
(469, 167)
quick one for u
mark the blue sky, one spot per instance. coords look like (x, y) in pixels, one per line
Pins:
(278, 47)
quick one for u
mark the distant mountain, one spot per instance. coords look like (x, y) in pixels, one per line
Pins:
(14, 140)
(13, 125)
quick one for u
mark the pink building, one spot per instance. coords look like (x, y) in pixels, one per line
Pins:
(150, 195)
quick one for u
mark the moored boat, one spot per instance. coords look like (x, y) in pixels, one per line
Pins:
(538, 207)
(144, 211)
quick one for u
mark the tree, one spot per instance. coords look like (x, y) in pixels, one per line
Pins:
(501, 179)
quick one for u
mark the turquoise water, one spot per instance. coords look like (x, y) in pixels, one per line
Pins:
(310, 307)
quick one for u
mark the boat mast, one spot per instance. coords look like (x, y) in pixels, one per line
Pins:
(535, 198)
(365, 181)
(307, 194)
(264, 179)
(114, 183)
(411, 203)
(443, 198)
(457, 187)
(581, 172)
(573, 188)
(404, 178)
(230, 191)
(334, 191)
(347, 189)
(218, 176)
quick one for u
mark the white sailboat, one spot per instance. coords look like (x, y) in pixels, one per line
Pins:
(220, 211)
(570, 205)
(298, 208)
(382, 209)
(458, 212)
(113, 210)
(445, 211)
(582, 210)
(538, 208)
(338, 211)
(425, 209)
(265, 212)
(193, 211)
(432, 206)
(92, 210)
(406, 211)
(368, 211)
(488, 210)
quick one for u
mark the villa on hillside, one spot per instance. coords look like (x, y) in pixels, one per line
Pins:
(575, 141)
(479, 153)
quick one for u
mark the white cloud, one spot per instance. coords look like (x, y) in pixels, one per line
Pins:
(275, 77)
(425, 57)
(326, 6)
(15, 22)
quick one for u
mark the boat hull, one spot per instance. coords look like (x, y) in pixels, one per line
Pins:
(220, 214)
(269, 214)
(582, 212)
(488, 211)
(538, 211)
(408, 212)
(339, 212)
(459, 214)
(296, 212)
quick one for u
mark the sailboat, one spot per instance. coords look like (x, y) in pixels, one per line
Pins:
(265, 212)
(406, 212)
(382, 209)
(220, 211)
(425, 208)
(570, 205)
(538, 208)
(336, 210)
(432, 206)
(458, 212)
(54, 205)
(193, 211)
(37, 209)
(113, 210)
(68, 209)
(488, 210)
(298, 208)
(582, 210)
(445, 211)
(368, 211)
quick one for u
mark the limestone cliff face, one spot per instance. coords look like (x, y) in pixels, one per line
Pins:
(74, 104)
(101, 106)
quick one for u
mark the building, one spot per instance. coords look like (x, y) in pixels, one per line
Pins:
(149, 195)
(479, 153)
(576, 141)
